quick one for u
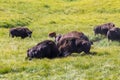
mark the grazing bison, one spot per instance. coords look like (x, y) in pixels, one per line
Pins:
(75, 34)
(103, 29)
(114, 34)
(22, 32)
(70, 45)
(72, 42)
(43, 49)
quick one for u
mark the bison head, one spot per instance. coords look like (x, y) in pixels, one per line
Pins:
(111, 25)
(86, 46)
(57, 37)
(29, 33)
(83, 46)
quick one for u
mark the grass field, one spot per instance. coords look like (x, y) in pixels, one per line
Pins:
(61, 16)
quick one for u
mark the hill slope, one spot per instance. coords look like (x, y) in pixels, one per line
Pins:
(62, 16)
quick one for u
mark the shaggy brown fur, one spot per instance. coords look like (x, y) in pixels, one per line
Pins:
(103, 29)
(22, 32)
(114, 34)
(43, 49)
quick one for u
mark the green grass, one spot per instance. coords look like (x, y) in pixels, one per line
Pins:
(61, 16)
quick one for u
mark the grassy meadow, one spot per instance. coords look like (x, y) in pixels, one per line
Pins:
(61, 16)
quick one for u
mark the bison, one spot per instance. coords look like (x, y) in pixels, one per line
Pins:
(22, 32)
(72, 42)
(70, 45)
(103, 29)
(114, 34)
(75, 34)
(46, 48)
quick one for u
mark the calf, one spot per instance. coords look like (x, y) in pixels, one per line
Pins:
(114, 34)
(103, 29)
(22, 32)
(74, 34)
(43, 49)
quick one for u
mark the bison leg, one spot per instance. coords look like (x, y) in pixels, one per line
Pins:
(30, 36)
(28, 58)
(95, 34)
(64, 54)
(87, 52)
(22, 37)
(12, 36)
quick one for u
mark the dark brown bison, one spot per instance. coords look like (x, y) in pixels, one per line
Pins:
(70, 45)
(43, 49)
(75, 34)
(72, 42)
(103, 29)
(114, 34)
(22, 32)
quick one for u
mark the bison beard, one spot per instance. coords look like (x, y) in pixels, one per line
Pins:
(43, 49)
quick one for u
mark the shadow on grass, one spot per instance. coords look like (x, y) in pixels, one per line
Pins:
(83, 54)
(91, 53)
